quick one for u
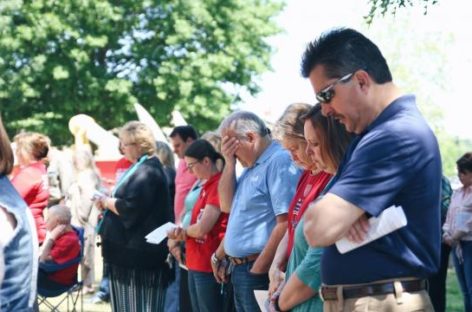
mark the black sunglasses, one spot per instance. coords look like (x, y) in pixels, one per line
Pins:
(325, 95)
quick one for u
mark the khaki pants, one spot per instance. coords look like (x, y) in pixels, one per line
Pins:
(398, 302)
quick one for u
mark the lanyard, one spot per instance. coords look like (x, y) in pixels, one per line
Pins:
(128, 173)
(122, 180)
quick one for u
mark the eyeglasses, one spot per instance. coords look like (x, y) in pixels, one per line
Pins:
(190, 165)
(325, 95)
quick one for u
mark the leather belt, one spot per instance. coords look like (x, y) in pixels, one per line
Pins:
(376, 289)
(244, 260)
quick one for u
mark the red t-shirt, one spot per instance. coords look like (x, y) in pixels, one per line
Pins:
(199, 250)
(309, 188)
(65, 248)
(31, 182)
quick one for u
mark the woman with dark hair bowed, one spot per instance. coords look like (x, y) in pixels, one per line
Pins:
(206, 230)
(327, 141)
(31, 181)
(458, 229)
(139, 204)
(18, 240)
(289, 130)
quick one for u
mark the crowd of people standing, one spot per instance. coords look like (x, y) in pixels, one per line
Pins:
(258, 208)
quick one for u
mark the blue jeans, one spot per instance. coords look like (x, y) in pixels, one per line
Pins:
(104, 288)
(464, 273)
(244, 284)
(206, 294)
(172, 303)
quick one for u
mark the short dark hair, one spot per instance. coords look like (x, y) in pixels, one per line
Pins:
(184, 132)
(464, 164)
(342, 51)
(199, 149)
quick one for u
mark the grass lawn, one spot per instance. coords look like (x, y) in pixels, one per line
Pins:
(454, 301)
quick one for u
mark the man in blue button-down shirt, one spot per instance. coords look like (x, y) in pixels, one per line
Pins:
(257, 202)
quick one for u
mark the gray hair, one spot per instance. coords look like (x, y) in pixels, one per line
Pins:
(243, 122)
(165, 155)
(61, 212)
(214, 138)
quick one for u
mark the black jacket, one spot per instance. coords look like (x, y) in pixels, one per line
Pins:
(143, 203)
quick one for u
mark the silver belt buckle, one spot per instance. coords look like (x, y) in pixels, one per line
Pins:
(320, 292)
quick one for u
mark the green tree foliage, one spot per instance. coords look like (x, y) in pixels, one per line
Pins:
(385, 6)
(59, 58)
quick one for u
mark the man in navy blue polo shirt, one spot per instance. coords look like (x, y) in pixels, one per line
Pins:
(394, 160)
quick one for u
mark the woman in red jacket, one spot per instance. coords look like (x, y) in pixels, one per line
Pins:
(31, 181)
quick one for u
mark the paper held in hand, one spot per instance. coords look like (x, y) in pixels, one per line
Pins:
(262, 298)
(159, 234)
(389, 220)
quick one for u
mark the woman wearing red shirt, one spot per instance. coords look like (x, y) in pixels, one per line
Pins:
(313, 180)
(31, 181)
(206, 230)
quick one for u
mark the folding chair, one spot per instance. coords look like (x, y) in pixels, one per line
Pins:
(72, 292)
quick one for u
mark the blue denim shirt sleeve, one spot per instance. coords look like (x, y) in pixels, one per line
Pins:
(282, 180)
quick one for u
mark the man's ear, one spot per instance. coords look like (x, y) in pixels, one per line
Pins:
(363, 79)
(250, 137)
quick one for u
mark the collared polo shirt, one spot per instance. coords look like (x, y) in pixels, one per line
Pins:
(263, 192)
(396, 161)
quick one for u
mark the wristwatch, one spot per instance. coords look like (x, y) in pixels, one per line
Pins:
(214, 259)
(276, 304)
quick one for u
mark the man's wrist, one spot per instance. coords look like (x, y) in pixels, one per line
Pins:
(214, 259)
(107, 202)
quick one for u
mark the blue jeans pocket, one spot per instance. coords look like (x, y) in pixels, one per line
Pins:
(256, 275)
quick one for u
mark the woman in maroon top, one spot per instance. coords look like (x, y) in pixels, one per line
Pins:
(289, 129)
(31, 181)
(206, 230)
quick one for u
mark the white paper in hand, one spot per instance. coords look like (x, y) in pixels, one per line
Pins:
(97, 195)
(262, 297)
(159, 234)
(389, 220)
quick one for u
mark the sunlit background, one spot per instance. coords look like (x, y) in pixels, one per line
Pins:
(430, 55)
